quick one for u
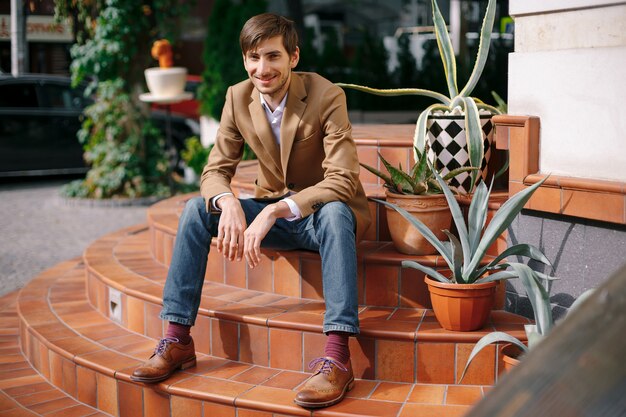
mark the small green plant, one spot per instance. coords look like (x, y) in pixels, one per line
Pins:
(195, 154)
(464, 254)
(469, 106)
(419, 180)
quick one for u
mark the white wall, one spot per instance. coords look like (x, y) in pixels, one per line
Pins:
(569, 68)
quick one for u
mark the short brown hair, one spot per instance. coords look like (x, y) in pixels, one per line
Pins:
(265, 26)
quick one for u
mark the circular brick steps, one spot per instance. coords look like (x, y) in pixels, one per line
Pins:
(271, 329)
(84, 325)
(24, 391)
(87, 356)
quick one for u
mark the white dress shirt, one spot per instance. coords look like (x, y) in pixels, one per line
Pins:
(275, 119)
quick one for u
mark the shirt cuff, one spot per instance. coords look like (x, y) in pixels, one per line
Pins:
(295, 211)
(214, 200)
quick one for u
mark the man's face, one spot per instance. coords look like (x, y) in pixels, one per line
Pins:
(269, 67)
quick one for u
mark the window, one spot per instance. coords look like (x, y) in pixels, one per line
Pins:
(18, 95)
(61, 96)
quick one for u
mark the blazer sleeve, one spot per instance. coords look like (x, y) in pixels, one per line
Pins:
(340, 165)
(225, 155)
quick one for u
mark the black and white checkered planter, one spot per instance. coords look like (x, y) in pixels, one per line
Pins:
(446, 137)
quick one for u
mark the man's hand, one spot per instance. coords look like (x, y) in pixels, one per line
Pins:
(259, 229)
(230, 238)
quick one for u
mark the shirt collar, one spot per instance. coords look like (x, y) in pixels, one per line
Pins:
(278, 109)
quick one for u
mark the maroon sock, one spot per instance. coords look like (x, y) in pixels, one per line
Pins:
(178, 331)
(337, 346)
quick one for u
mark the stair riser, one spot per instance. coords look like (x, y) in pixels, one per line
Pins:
(381, 280)
(117, 397)
(278, 346)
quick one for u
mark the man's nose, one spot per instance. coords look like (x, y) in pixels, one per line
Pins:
(263, 65)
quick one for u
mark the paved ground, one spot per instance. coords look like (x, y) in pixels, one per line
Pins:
(38, 230)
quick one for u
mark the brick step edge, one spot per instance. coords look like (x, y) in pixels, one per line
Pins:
(24, 392)
(226, 330)
(54, 322)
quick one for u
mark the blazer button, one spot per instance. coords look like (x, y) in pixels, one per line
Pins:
(291, 185)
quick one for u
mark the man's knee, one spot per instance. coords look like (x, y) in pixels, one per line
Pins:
(336, 214)
(195, 203)
(194, 211)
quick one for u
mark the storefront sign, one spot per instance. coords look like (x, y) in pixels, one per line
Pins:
(38, 29)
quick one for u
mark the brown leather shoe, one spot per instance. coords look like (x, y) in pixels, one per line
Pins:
(327, 386)
(169, 356)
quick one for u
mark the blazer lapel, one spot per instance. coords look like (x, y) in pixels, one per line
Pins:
(263, 129)
(291, 118)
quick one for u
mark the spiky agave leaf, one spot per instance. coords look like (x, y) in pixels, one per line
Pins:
(397, 92)
(483, 49)
(445, 50)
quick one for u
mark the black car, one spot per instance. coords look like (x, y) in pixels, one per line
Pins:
(39, 118)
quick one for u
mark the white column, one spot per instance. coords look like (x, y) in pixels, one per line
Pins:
(18, 38)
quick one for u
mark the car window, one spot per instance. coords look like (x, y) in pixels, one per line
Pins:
(62, 97)
(192, 87)
(18, 95)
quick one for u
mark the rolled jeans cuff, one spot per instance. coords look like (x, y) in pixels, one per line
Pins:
(341, 328)
(175, 319)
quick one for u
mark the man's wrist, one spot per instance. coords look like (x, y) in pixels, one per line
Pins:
(280, 210)
(220, 197)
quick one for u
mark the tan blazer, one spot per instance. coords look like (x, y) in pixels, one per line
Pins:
(317, 159)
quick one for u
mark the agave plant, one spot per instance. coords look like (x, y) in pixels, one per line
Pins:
(421, 177)
(539, 295)
(464, 254)
(470, 106)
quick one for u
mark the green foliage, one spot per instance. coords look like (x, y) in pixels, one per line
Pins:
(195, 155)
(464, 254)
(369, 67)
(420, 180)
(123, 149)
(539, 296)
(223, 65)
(114, 40)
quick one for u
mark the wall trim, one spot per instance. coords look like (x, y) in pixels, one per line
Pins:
(586, 198)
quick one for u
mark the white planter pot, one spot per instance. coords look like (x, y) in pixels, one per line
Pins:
(448, 144)
(166, 82)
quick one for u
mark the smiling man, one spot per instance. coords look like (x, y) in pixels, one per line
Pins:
(307, 196)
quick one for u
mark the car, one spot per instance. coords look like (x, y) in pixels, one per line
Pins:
(40, 116)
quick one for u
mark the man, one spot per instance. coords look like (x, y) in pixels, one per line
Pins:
(307, 196)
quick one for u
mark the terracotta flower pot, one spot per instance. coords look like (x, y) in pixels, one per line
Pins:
(432, 210)
(510, 355)
(461, 307)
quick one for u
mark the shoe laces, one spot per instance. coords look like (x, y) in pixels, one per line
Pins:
(160, 349)
(327, 364)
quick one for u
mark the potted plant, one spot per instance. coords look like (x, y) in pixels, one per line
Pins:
(419, 193)
(459, 125)
(463, 300)
(539, 296)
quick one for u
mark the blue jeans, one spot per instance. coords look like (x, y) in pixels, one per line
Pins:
(329, 231)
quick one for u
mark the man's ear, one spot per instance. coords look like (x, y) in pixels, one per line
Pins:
(295, 57)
